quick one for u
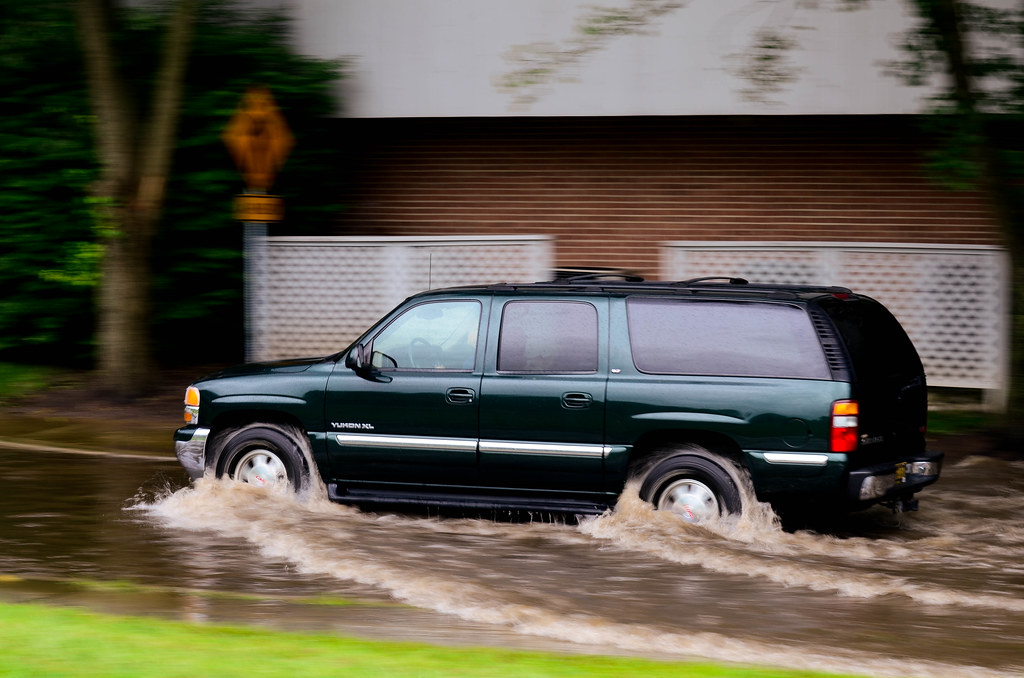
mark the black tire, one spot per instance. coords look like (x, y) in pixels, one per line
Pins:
(693, 484)
(262, 454)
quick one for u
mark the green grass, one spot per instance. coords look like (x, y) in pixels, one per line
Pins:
(958, 422)
(130, 587)
(18, 380)
(41, 641)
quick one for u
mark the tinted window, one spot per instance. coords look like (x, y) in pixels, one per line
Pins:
(548, 336)
(877, 344)
(433, 336)
(724, 338)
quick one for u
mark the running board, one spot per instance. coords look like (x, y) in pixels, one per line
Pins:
(362, 497)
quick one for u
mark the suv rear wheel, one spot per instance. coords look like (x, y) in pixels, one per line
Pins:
(693, 484)
(262, 454)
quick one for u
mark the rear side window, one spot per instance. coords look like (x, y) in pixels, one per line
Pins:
(548, 337)
(669, 336)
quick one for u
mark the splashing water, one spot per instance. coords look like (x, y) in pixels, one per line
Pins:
(641, 581)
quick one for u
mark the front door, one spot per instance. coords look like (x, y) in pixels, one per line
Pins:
(414, 421)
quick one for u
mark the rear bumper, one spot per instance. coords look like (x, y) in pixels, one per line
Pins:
(190, 448)
(894, 480)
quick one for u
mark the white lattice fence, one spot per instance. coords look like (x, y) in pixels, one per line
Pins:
(952, 300)
(314, 295)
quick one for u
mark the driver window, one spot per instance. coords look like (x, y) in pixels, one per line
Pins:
(438, 335)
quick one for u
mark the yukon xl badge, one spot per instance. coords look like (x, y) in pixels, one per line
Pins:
(351, 426)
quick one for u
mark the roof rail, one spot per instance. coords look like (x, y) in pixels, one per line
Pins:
(628, 283)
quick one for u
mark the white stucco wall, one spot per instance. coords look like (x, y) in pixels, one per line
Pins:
(451, 57)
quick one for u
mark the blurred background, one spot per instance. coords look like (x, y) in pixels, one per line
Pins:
(384, 147)
(852, 142)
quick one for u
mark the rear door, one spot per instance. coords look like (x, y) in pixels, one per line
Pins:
(543, 395)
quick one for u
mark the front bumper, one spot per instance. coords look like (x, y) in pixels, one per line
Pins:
(895, 479)
(190, 448)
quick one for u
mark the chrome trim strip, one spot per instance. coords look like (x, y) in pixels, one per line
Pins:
(798, 458)
(409, 442)
(470, 445)
(553, 449)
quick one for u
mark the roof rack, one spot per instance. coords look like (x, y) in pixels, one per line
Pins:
(598, 277)
(591, 273)
(709, 278)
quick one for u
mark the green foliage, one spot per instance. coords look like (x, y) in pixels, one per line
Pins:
(50, 231)
(17, 380)
(46, 165)
(986, 108)
(535, 66)
(765, 65)
(959, 422)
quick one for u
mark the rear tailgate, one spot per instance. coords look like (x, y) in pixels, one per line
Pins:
(889, 380)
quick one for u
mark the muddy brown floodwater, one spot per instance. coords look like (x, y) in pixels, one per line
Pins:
(934, 593)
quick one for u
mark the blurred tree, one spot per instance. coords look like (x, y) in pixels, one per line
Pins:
(134, 146)
(55, 231)
(977, 121)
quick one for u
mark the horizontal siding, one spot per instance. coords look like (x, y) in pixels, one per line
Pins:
(610, 190)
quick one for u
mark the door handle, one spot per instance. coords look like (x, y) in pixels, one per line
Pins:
(577, 401)
(460, 396)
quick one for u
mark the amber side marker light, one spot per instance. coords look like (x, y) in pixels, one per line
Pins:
(845, 425)
(191, 405)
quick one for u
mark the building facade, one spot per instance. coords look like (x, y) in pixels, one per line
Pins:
(642, 135)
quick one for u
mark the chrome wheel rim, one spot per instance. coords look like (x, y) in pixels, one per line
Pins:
(261, 467)
(691, 500)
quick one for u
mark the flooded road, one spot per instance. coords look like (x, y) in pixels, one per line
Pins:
(934, 593)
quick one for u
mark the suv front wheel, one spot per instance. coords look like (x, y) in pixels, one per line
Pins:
(262, 454)
(693, 484)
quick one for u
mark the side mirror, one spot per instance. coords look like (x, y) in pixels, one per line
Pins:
(356, 360)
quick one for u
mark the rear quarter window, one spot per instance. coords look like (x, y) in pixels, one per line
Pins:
(670, 336)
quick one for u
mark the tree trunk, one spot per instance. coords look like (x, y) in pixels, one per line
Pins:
(945, 19)
(135, 158)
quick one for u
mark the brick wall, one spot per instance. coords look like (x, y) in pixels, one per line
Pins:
(611, 189)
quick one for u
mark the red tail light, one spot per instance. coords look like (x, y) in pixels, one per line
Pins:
(845, 425)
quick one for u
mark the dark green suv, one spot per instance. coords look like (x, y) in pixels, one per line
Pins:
(551, 396)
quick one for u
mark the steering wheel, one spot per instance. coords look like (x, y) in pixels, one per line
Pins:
(417, 341)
